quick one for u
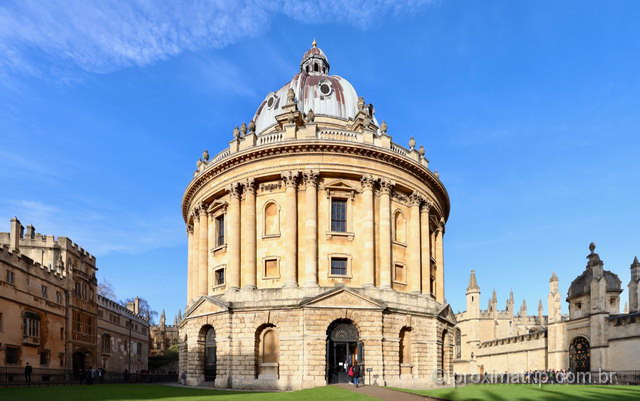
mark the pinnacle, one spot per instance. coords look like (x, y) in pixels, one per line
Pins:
(553, 277)
(635, 261)
(473, 283)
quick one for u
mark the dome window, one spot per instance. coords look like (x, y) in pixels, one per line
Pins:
(325, 88)
(271, 101)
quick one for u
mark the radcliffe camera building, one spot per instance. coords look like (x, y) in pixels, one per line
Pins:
(315, 241)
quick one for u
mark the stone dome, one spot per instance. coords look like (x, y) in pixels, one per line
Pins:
(314, 89)
(582, 284)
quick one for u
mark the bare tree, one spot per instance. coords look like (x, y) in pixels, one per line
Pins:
(106, 289)
(145, 309)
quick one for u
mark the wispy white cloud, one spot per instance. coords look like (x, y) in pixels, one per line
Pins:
(100, 232)
(103, 36)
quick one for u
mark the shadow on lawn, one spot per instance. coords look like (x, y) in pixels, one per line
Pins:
(116, 392)
(549, 394)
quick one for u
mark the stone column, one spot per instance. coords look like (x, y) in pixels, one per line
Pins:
(232, 231)
(203, 252)
(248, 236)
(190, 257)
(425, 245)
(311, 227)
(369, 257)
(413, 244)
(290, 229)
(385, 233)
(193, 284)
(440, 262)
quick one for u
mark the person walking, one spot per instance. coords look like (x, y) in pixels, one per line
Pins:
(27, 372)
(350, 373)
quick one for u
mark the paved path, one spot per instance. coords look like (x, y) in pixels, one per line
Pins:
(387, 394)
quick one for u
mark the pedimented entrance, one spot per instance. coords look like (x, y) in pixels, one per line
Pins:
(343, 348)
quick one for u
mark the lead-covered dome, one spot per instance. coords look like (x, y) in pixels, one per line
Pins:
(314, 89)
(582, 284)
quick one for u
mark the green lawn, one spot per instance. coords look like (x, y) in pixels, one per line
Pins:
(136, 392)
(530, 392)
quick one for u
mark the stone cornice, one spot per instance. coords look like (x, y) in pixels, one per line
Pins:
(371, 152)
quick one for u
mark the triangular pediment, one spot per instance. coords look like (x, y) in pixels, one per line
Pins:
(341, 188)
(206, 306)
(343, 298)
(446, 313)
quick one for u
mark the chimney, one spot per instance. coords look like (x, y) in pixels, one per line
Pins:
(15, 234)
(136, 306)
(31, 232)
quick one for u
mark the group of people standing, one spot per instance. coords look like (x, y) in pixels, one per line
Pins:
(355, 372)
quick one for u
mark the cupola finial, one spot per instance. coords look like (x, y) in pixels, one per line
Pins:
(314, 43)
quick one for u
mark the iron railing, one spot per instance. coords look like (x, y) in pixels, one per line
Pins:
(15, 376)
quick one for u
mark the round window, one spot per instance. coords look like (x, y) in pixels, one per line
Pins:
(325, 89)
(270, 102)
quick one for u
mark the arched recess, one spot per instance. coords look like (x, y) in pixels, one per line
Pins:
(271, 223)
(444, 357)
(267, 352)
(344, 348)
(406, 352)
(208, 357)
(399, 227)
(458, 344)
(580, 355)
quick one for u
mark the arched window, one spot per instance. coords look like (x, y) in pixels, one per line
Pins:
(459, 344)
(210, 354)
(271, 219)
(268, 352)
(307, 69)
(315, 67)
(399, 227)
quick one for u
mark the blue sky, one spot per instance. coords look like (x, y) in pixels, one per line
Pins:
(529, 111)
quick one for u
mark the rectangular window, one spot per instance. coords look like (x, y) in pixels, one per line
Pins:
(219, 275)
(11, 278)
(338, 215)
(220, 230)
(44, 357)
(62, 333)
(58, 297)
(339, 266)
(271, 268)
(31, 329)
(44, 290)
(11, 355)
(400, 273)
(0, 322)
(61, 358)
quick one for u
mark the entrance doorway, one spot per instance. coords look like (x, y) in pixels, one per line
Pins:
(343, 349)
(79, 364)
(580, 355)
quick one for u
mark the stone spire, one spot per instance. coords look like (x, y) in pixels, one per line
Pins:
(473, 283)
(510, 302)
(540, 311)
(634, 286)
(473, 296)
(493, 302)
(553, 300)
(163, 319)
(523, 308)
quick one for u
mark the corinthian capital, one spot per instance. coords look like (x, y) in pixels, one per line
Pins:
(386, 185)
(290, 178)
(234, 190)
(249, 186)
(367, 182)
(427, 206)
(310, 177)
(189, 229)
(415, 199)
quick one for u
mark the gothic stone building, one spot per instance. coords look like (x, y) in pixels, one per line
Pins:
(163, 335)
(50, 313)
(595, 335)
(315, 241)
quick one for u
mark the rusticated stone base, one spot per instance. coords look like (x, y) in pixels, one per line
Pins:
(301, 318)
